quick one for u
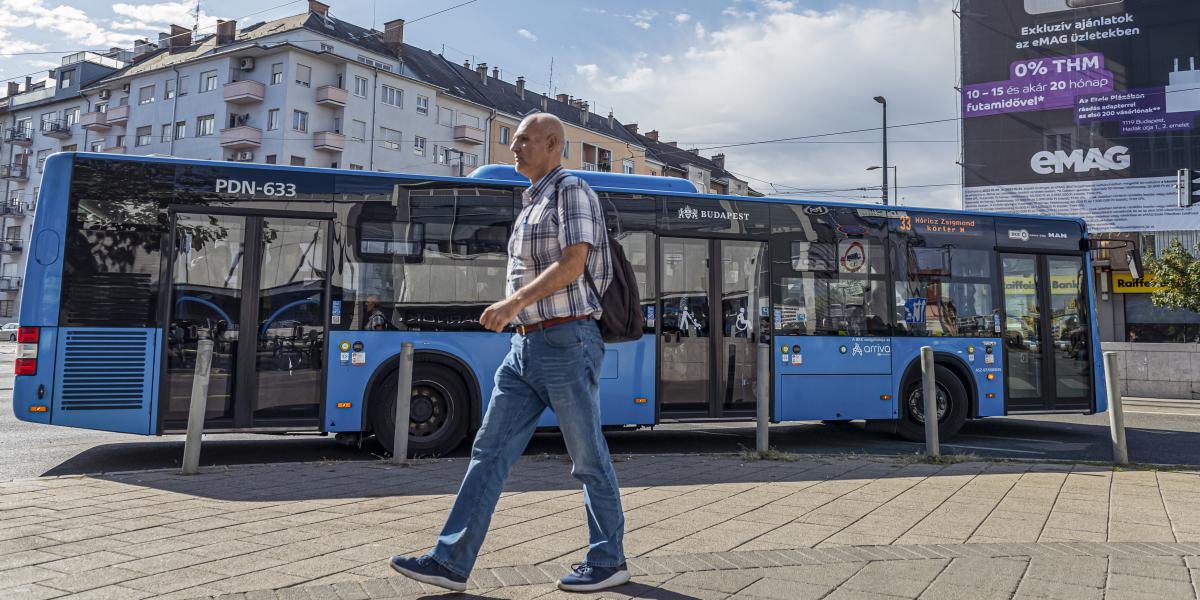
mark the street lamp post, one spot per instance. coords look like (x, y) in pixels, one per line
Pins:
(895, 182)
(883, 101)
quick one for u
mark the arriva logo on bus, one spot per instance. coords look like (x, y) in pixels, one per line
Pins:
(1113, 159)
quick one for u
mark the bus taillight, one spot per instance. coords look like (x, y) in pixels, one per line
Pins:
(27, 351)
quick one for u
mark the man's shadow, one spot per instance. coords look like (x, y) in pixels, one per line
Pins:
(639, 590)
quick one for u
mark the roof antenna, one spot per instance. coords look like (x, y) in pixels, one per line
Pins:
(196, 20)
(550, 86)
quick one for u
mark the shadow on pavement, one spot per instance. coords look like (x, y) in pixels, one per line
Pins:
(634, 589)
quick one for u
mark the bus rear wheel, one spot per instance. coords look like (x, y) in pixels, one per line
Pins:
(951, 406)
(438, 411)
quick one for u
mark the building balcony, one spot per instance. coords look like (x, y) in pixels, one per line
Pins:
(95, 121)
(587, 166)
(13, 208)
(10, 284)
(332, 96)
(56, 129)
(12, 246)
(117, 115)
(246, 91)
(18, 136)
(241, 138)
(468, 135)
(16, 172)
(329, 141)
(114, 150)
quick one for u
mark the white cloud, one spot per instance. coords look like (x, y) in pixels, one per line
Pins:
(666, 59)
(589, 72)
(683, 18)
(792, 73)
(527, 34)
(700, 31)
(642, 19)
(75, 25)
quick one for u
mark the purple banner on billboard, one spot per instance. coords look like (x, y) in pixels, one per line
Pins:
(1039, 84)
(1142, 110)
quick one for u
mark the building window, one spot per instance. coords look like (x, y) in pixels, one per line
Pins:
(65, 82)
(354, 167)
(469, 120)
(208, 81)
(504, 133)
(392, 96)
(389, 138)
(358, 130)
(374, 63)
(300, 121)
(297, 161)
(360, 86)
(419, 146)
(168, 89)
(6, 308)
(48, 118)
(273, 119)
(71, 116)
(470, 160)
(180, 130)
(270, 159)
(627, 166)
(120, 142)
(183, 84)
(445, 116)
(422, 105)
(97, 146)
(205, 124)
(566, 149)
(70, 148)
(143, 136)
(303, 75)
(326, 48)
(41, 158)
(276, 73)
(101, 107)
(167, 134)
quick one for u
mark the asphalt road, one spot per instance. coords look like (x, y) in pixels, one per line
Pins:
(1158, 432)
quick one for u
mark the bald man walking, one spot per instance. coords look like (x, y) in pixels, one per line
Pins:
(553, 362)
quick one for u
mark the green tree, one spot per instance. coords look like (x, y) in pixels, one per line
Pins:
(1177, 271)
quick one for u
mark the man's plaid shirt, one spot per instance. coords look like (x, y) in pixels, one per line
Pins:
(560, 211)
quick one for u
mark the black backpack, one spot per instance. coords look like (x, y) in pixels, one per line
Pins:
(622, 319)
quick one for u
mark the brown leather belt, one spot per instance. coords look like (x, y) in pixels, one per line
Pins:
(548, 323)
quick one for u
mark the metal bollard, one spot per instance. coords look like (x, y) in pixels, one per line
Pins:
(763, 391)
(1116, 414)
(198, 404)
(929, 393)
(403, 405)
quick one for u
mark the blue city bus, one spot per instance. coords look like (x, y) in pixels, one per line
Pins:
(308, 280)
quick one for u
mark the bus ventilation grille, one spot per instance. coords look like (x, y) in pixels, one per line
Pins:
(105, 370)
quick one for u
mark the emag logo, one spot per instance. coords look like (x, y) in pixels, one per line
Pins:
(1080, 161)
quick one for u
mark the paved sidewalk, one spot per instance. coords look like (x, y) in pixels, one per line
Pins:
(697, 527)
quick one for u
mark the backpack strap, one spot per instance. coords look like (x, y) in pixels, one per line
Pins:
(587, 274)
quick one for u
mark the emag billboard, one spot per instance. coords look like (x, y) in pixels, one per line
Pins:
(1081, 108)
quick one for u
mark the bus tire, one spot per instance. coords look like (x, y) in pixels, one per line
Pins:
(952, 406)
(439, 413)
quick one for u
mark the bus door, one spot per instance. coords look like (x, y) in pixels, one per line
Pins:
(256, 283)
(1046, 332)
(713, 305)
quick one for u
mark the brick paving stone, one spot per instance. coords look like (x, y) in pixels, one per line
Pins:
(782, 589)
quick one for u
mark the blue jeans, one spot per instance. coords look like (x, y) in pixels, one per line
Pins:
(559, 368)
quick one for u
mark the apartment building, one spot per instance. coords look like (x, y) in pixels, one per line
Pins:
(708, 174)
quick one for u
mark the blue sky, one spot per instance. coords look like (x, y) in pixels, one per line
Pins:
(705, 73)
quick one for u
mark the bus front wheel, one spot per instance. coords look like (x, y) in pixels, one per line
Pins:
(951, 406)
(438, 411)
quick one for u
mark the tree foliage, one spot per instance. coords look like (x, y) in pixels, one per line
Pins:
(1177, 271)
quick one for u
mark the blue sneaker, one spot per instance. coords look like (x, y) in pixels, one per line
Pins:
(427, 570)
(588, 578)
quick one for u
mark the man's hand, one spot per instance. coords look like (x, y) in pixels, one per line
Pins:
(499, 315)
